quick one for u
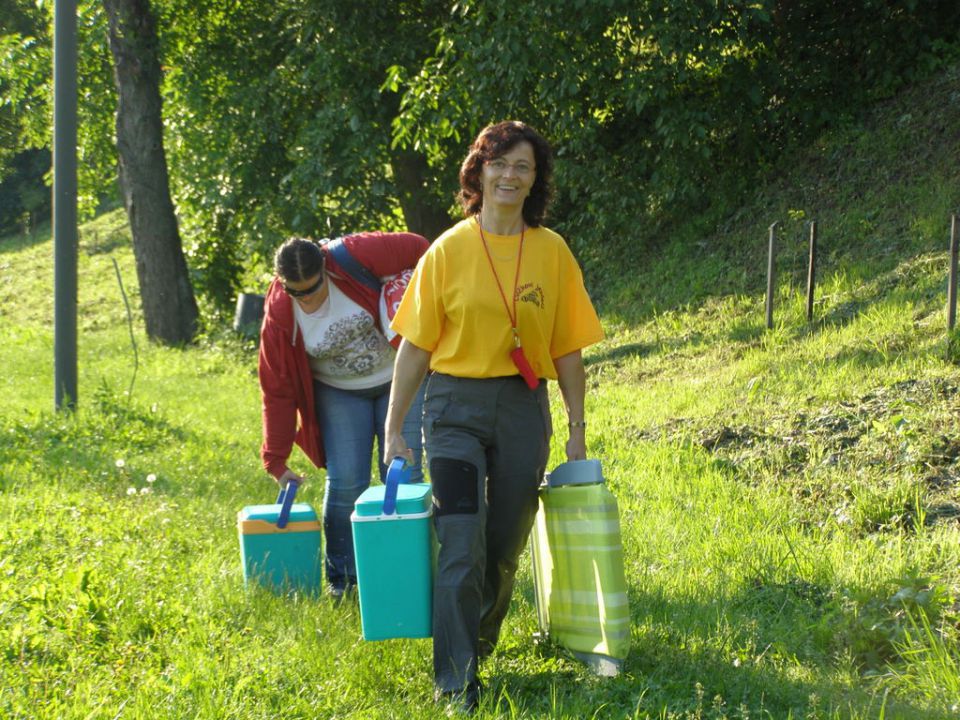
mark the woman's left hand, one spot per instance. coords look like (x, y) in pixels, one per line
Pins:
(577, 444)
(572, 380)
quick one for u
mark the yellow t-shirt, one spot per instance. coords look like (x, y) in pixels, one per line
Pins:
(453, 308)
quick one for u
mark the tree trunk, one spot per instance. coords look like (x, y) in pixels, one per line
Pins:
(419, 208)
(169, 307)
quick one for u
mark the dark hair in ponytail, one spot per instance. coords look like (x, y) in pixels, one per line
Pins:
(298, 259)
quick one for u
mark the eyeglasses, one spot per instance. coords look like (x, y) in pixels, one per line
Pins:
(500, 166)
(303, 293)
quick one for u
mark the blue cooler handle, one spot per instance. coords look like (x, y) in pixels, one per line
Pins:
(398, 472)
(285, 500)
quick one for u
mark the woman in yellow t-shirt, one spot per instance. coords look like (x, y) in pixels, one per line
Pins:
(495, 308)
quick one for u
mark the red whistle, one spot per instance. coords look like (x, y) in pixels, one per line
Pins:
(523, 365)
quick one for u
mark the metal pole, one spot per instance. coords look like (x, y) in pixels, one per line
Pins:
(65, 203)
(952, 284)
(771, 275)
(811, 269)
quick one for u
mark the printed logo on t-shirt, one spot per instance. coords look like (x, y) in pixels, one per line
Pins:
(351, 347)
(529, 293)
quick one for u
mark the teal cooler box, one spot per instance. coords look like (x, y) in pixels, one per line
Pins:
(280, 544)
(393, 542)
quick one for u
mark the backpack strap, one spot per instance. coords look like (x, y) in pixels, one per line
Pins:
(339, 252)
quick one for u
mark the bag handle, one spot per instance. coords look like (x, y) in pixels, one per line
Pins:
(285, 500)
(398, 472)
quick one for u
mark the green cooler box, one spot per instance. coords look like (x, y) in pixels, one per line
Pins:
(581, 589)
(393, 542)
(280, 544)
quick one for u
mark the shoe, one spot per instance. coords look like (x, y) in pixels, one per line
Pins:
(460, 702)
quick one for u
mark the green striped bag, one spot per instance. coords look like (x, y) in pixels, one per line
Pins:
(577, 552)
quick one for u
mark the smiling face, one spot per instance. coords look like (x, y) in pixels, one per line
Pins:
(507, 179)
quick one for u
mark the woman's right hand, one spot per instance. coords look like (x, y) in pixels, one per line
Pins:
(287, 476)
(396, 446)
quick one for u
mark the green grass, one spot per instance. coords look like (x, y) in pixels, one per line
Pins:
(788, 498)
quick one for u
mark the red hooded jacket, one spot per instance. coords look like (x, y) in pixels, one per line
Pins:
(286, 382)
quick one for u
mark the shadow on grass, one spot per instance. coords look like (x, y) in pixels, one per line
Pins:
(22, 241)
(103, 235)
(681, 666)
(621, 352)
(75, 448)
(103, 240)
(913, 279)
(749, 331)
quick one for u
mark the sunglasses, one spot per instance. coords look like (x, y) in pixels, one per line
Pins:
(303, 293)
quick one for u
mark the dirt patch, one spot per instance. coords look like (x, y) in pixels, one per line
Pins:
(908, 429)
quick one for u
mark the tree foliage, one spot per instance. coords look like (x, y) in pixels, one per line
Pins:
(659, 109)
(20, 57)
(22, 194)
(280, 126)
(26, 89)
(321, 118)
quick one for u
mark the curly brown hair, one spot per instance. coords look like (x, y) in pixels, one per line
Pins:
(492, 142)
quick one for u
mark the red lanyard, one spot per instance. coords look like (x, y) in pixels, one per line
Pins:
(516, 355)
(512, 315)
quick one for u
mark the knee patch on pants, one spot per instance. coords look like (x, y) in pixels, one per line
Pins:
(455, 486)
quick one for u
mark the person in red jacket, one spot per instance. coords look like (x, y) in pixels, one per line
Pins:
(325, 369)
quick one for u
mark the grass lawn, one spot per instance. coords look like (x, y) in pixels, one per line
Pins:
(788, 498)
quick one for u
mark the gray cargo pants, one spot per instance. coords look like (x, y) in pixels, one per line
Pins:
(487, 442)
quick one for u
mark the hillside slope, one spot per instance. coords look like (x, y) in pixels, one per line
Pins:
(881, 190)
(789, 499)
(687, 329)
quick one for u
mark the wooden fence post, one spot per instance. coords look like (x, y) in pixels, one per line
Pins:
(771, 273)
(952, 282)
(811, 269)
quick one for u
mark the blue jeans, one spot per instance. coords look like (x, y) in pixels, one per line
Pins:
(349, 422)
